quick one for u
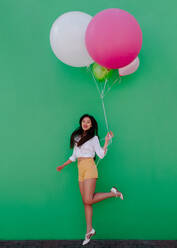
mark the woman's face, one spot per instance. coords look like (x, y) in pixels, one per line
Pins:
(86, 123)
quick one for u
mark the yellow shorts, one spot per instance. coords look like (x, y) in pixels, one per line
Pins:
(87, 169)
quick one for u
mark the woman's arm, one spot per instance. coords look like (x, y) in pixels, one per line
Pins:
(105, 146)
(70, 160)
(73, 157)
(107, 138)
(101, 152)
(59, 168)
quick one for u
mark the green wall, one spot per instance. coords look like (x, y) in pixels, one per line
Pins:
(41, 101)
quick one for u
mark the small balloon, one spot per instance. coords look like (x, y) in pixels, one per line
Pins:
(101, 73)
(129, 69)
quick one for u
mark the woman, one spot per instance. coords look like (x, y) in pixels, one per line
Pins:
(86, 143)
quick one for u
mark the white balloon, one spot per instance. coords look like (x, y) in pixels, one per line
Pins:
(67, 38)
(130, 68)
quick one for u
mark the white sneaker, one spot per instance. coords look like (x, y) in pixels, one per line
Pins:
(88, 236)
(115, 191)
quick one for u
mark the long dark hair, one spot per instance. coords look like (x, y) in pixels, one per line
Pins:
(79, 131)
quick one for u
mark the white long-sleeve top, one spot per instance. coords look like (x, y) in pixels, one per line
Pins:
(88, 149)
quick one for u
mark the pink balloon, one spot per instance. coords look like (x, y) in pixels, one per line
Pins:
(129, 69)
(113, 38)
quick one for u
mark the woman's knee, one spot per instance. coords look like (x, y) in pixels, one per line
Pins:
(87, 201)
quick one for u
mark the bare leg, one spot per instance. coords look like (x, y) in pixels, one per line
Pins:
(87, 189)
(88, 209)
(89, 196)
(88, 216)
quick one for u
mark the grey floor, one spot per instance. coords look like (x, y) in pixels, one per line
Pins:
(92, 244)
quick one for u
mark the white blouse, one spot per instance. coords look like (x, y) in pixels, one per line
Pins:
(88, 149)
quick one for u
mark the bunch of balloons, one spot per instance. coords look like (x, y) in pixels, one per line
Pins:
(112, 39)
(107, 43)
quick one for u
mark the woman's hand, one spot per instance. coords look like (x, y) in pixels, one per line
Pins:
(109, 136)
(59, 168)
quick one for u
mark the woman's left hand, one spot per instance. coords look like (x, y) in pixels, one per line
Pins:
(109, 136)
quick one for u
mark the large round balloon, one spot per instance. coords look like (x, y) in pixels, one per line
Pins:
(67, 38)
(113, 38)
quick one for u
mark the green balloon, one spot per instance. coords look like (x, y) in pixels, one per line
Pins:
(101, 73)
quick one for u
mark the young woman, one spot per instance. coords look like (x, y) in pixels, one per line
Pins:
(86, 143)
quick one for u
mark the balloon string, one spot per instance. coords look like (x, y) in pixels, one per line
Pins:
(101, 96)
(103, 106)
(94, 80)
(106, 121)
(119, 80)
(104, 87)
